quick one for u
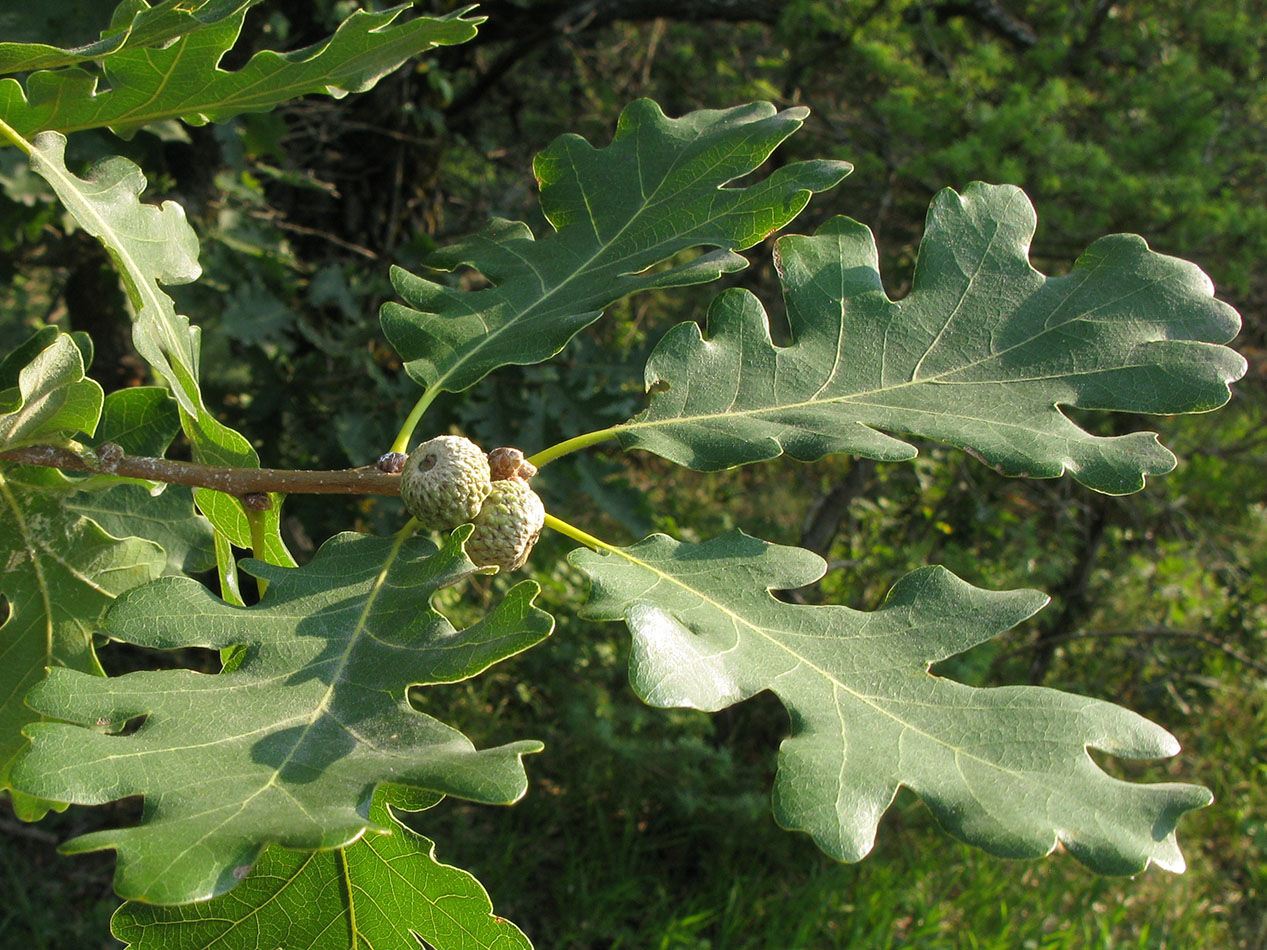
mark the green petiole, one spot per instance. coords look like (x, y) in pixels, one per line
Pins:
(411, 421)
(546, 456)
(576, 534)
(11, 134)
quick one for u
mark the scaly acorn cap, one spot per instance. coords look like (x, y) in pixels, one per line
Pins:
(507, 526)
(445, 481)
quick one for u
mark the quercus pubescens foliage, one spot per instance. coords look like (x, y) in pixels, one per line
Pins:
(266, 781)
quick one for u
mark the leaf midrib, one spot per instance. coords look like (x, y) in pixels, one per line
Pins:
(147, 284)
(321, 707)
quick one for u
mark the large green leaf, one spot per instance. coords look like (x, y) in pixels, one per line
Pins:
(1004, 768)
(983, 353)
(373, 895)
(60, 574)
(44, 395)
(153, 246)
(656, 191)
(134, 24)
(288, 746)
(184, 80)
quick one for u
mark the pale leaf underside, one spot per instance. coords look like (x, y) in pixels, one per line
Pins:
(1005, 768)
(983, 353)
(154, 246)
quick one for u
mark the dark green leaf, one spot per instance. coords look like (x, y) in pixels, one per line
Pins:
(60, 574)
(184, 80)
(375, 894)
(657, 190)
(289, 746)
(983, 353)
(135, 24)
(169, 519)
(1005, 768)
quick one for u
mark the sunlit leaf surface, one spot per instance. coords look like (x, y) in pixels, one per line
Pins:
(983, 353)
(288, 746)
(1005, 768)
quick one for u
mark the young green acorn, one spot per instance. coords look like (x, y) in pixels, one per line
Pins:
(507, 526)
(445, 481)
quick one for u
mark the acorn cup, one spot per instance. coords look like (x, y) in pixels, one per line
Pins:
(507, 526)
(445, 481)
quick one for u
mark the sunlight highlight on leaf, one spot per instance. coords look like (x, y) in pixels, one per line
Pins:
(1004, 768)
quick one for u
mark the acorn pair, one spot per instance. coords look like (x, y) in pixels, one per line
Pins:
(448, 481)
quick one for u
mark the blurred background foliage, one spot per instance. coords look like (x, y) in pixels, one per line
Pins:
(651, 829)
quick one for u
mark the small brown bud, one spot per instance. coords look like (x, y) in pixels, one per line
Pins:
(507, 462)
(391, 462)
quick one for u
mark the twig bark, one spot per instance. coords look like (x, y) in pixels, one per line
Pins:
(239, 482)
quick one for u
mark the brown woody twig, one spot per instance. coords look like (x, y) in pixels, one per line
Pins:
(239, 482)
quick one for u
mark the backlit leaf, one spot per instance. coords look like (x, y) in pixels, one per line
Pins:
(44, 396)
(183, 80)
(374, 895)
(134, 24)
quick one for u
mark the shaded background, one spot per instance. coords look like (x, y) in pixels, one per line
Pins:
(647, 828)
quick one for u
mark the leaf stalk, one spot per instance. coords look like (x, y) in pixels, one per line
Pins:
(401, 444)
(576, 534)
(546, 456)
(11, 135)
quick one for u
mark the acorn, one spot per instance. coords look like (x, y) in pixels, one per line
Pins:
(445, 481)
(507, 526)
